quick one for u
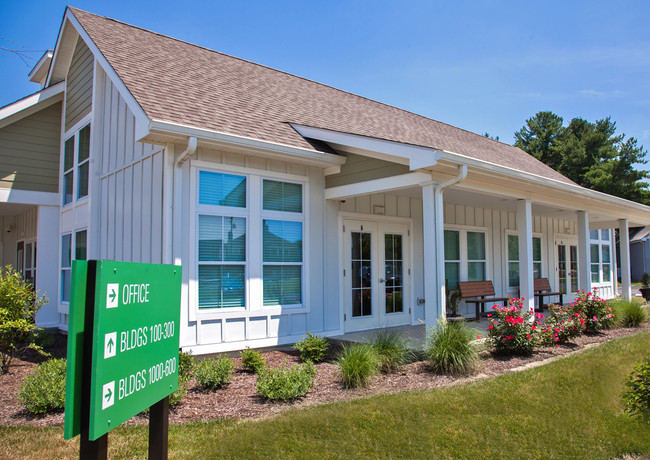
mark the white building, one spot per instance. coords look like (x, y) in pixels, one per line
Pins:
(292, 206)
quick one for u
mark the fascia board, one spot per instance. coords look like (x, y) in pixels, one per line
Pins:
(180, 133)
(31, 104)
(418, 157)
(28, 197)
(35, 75)
(141, 118)
(382, 185)
(64, 36)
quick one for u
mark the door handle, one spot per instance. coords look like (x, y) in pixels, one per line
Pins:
(381, 280)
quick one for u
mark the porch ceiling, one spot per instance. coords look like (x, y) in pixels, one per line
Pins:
(10, 209)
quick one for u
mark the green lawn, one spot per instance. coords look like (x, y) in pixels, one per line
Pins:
(567, 409)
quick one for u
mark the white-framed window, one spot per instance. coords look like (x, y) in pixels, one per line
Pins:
(513, 259)
(601, 256)
(76, 163)
(465, 256)
(26, 260)
(222, 232)
(282, 243)
(73, 247)
(236, 248)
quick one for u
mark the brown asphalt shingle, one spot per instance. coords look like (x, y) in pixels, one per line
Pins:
(178, 82)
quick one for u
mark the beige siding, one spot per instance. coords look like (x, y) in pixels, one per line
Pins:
(29, 152)
(79, 85)
(359, 168)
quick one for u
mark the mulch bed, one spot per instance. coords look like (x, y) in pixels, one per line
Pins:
(239, 398)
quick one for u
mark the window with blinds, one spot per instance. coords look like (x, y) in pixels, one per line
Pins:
(282, 243)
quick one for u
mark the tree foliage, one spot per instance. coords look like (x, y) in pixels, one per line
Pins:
(19, 303)
(590, 154)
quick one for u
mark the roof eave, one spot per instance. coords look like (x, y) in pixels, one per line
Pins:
(165, 131)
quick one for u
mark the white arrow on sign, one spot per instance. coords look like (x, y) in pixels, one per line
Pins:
(110, 344)
(112, 295)
(108, 394)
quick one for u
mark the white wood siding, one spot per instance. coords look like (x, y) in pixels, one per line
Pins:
(130, 185)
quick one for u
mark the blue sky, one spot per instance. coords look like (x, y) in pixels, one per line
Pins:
(481, 65)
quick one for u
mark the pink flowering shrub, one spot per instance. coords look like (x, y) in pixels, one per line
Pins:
(598, 314)
(561, 325)
(511, 330)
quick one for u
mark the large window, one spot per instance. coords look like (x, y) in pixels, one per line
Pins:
(513, 259)
(222, 240)
(465, 257)
(76, 157)
(227, 232)
(601, 258)
(282, 242)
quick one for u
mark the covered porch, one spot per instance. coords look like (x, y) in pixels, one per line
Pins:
(463, 220)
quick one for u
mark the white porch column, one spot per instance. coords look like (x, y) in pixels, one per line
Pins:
(525, 232)
(626, 278)
(47, 264)
(584, 252)
(434, 259)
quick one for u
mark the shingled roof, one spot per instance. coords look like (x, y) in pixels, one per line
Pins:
(178, 82)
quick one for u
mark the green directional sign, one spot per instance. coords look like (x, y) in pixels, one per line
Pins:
(135, 338)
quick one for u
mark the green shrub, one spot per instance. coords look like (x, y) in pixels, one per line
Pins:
(286, 384)
(19, 303)
(510, 329)
(450, 348)
(252, 360)
(44, 390)
(312, 348)
(637, 395)
(186, 363)
(213, 373)
(634, 314)
(357, 363)
(598, 314)
(392, 349)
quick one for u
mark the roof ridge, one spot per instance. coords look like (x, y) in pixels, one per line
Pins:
(291, 75)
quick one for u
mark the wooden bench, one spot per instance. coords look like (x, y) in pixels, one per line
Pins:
(542, 289)
(476, 292)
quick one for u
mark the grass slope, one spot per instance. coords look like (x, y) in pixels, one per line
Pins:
(570, 408)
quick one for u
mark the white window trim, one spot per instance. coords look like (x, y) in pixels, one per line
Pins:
(74, 132)
(254, 214)
(600, 243)
(507, 260)
(463, 269)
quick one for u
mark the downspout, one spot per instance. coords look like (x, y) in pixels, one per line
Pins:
(171, 245)
(440, 235)
(189, 151)
(434, 243)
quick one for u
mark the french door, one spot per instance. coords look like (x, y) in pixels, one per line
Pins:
(376, 274)
(566, 269)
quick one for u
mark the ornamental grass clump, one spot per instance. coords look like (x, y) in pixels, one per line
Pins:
(598, 314)
(450, 348)
(312, 348)
(392, 349)
(511, 330)
(357, 363)
(44, 390)
(213, 373)
(637, 395)
(252, 360)
(634, 314)
(286, 384)
(564, 323)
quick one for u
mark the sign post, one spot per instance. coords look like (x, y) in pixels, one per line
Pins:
(122, 350)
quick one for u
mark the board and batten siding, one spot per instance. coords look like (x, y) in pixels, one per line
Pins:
(29, 151)
(359, 168)
(130, 185)
(266, 326)
(79, 85)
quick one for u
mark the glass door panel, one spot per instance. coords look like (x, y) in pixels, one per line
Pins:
(573, 250)
(561, 267)
(393, 263)
(361, 274)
